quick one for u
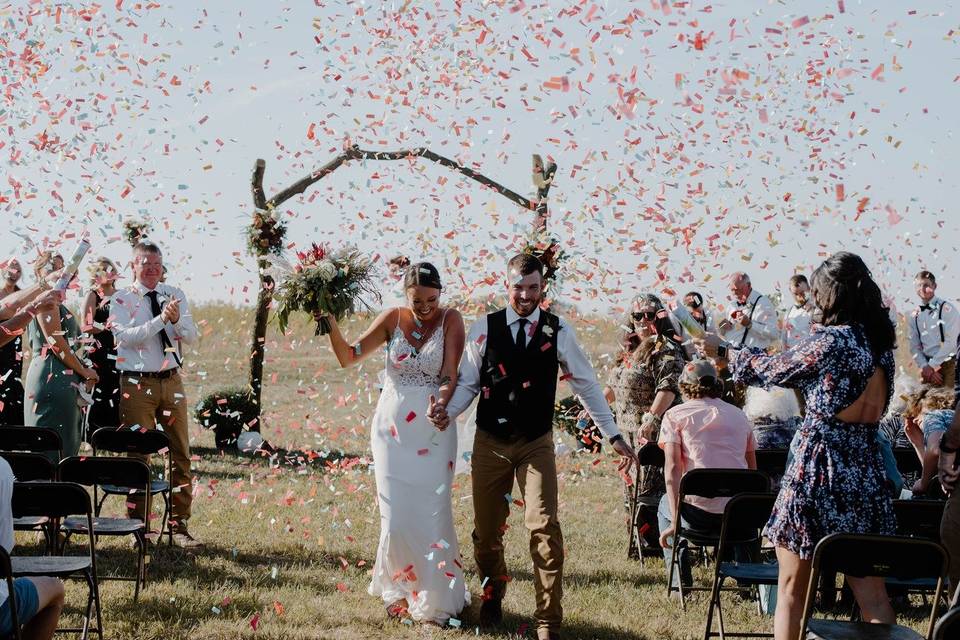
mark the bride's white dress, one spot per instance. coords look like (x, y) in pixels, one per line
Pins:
(418, 557)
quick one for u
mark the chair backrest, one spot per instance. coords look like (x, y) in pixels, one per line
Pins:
(34, 439)
(6, 574)
(650, 454)
(28, 467)
(878, 556)
(919, 518)
(145, 441)
(50, 499)
(97, 470)
(745, 514)
(907, 460)
(773, 462)
(948, 627)
(723, 483)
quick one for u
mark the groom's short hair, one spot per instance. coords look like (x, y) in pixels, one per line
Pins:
(525, 264)
(145, 246)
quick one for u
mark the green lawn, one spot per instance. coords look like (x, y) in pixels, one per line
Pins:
(290, 547)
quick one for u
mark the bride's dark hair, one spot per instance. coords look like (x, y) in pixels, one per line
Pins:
(845, 293)
(422, 274)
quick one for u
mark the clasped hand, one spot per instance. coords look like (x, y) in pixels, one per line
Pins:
(171, 311)
(437, 414)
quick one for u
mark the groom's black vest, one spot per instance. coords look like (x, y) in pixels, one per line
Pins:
(518, 387)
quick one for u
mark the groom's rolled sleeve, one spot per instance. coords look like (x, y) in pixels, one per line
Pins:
(584, 381)
(468, 375)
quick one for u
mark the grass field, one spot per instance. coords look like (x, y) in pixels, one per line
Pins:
(289, 547)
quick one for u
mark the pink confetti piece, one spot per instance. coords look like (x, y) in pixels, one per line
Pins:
(422, 452)
(876, 72)
(411, 416)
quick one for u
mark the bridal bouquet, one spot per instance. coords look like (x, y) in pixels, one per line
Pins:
(323, 282)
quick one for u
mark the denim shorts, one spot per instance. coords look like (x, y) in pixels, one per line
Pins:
(27, 602)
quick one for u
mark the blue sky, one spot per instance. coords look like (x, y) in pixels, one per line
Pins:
(680, 158)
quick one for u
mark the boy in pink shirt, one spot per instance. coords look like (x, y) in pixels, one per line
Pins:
(702, 433)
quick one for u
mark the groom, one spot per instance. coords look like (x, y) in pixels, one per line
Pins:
(512, 359)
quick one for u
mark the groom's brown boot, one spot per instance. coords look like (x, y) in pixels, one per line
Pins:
(491, 613)
(546, 634)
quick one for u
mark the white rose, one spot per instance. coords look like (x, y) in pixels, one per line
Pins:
(328, 270)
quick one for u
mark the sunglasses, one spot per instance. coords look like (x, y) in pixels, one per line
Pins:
(649, 316)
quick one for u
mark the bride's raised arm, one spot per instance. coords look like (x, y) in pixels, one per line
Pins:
(454, 338)
(376, 334)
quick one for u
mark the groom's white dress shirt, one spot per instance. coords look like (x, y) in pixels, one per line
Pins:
(573, 362)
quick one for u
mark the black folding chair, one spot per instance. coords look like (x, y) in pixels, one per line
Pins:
(95, 471)
(918, 519)
(32, 467)
(142, 443)
(33, 439)
(6, 573)
(743, 519)
(650, 455)
(872, 556)
(772, 462)
(948, 627)
(907, 460)
(709, 483)
(58, 500)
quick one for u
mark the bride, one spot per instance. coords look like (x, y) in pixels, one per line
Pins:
(418, 572)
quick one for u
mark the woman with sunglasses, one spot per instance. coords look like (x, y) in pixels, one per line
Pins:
(641, 387)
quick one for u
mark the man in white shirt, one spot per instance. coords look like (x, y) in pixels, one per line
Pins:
(39, 599)
(753, 320)
(512, 359)
(151, 320)
(798, 321)
(933, 329)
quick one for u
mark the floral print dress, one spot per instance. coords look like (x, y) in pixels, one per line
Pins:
(835, 481)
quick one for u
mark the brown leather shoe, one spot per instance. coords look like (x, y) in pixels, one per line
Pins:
(491, 613)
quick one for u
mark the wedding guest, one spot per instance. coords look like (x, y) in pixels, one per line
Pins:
(927, 417)
(11, 357)
(798, 321)
(752, 322)
(933, 330)
(105, 410)
(694, 303)
(641, 387)
(55, 372)
(151, 320)
(39, 599)
(774, 414)
(702, 433)
(836, 481)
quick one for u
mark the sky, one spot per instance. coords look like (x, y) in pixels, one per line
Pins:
(693, 139)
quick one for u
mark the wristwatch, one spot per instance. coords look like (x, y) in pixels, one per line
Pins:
(944, 448)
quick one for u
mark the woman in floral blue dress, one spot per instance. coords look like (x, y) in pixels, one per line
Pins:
(835, 482)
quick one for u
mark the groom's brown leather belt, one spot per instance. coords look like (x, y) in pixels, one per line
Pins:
(162, 375)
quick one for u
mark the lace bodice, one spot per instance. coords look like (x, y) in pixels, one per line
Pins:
(409, 367)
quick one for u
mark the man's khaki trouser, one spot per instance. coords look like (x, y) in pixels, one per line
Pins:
(495, 465)
(149, 402)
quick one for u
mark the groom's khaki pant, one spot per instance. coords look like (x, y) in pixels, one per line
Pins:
(495, 464)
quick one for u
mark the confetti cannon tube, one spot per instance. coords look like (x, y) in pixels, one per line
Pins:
(688, 322)
(71, 268)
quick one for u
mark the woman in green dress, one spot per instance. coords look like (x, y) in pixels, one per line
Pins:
(55, 373)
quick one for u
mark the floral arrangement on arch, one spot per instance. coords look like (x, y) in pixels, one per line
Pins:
(548, 250)
(266, 233)
(135, 230)
(323, 282)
